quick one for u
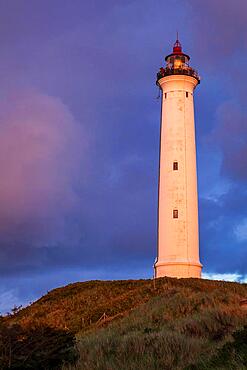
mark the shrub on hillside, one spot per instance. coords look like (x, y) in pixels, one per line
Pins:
(232, 355)
(36, 348)
(214, 324)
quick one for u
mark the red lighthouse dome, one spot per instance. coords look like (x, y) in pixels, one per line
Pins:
(177, 53)
(177, 47)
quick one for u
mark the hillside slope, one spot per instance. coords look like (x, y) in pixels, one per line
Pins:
(189, 325)
(142, 324)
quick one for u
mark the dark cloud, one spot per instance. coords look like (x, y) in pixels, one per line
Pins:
(218, 29)
(230, 134)
(223, 232)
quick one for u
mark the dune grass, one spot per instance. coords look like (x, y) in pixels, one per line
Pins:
(184, 327)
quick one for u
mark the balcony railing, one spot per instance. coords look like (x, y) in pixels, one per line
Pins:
(188, 71)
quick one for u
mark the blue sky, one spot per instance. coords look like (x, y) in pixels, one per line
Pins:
(79, 135)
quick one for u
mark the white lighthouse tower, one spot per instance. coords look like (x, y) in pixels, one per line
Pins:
(178, 239)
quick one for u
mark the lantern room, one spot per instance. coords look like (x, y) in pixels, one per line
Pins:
(177, 63)
(177, 59)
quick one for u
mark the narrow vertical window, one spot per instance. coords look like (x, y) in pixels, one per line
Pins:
(175, 213)
(165, 95)
(187, 94)
(175, 166)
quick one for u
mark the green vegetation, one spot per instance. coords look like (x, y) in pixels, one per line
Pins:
(139, 324)
(183, 327)
(233, 355)
(35, 347)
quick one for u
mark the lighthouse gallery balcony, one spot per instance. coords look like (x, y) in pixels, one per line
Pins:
(184, 70)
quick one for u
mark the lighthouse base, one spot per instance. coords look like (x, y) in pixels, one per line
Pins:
(178, 269)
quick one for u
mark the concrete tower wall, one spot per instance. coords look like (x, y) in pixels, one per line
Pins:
(178, 244)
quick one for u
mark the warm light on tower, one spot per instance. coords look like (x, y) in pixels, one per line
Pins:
(178, 239)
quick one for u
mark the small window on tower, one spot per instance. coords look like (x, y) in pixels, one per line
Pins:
(187, 94)
(165, 95)
(175, 166)
(175, 213)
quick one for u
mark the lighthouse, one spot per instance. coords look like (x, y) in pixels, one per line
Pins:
(178, 236)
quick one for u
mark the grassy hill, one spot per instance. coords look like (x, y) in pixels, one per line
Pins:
(135, 324)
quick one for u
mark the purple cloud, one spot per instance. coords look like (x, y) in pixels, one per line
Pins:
(42, 149)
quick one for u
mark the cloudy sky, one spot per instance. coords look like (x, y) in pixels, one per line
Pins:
(79, 134)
